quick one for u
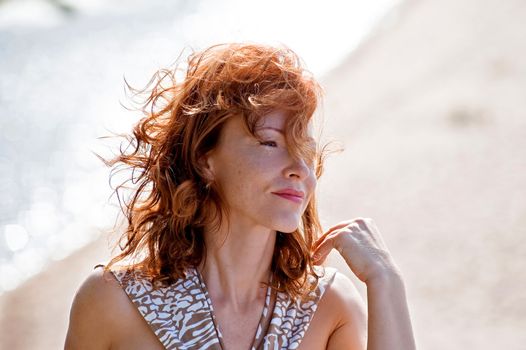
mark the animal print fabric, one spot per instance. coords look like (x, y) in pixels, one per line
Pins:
(182, 316)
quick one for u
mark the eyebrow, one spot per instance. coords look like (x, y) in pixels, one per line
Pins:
(282, 132)
(276, 129)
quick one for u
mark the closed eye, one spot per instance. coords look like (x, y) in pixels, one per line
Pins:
(269, 143)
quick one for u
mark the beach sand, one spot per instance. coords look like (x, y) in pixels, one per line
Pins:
(36, 314)
(431, 112)
(434, 107)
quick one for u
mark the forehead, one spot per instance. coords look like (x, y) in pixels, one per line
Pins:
(277, 121)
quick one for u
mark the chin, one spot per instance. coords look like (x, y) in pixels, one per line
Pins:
(282, 220)
(286, 230)
(287, 227)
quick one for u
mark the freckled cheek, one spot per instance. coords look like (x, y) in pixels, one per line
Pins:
(242, 177)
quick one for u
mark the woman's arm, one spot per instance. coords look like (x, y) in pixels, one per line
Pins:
(388, 322)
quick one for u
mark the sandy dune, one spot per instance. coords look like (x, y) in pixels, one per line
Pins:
(434, 109)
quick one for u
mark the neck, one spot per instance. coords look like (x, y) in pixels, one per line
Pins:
(237, 261)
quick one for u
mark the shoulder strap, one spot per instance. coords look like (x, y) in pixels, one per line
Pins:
(177, 314)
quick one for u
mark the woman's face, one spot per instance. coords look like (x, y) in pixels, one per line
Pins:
(251, 172)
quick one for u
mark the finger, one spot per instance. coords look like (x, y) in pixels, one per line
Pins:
(318, 260)
(359, 221)
(329, 237)
(368, 225)
(365, 224)
(324, 249)
(331, 230)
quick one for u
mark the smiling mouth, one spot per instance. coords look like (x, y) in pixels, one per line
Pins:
(290, 197)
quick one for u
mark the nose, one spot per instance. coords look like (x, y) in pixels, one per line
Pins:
(298, 168)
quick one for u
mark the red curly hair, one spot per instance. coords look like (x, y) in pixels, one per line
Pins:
(172, 202)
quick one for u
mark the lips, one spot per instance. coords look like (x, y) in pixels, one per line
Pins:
(291, 194)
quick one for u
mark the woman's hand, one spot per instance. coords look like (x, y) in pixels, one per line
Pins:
(361, 245)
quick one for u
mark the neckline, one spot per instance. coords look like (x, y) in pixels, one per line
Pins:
(217, 329)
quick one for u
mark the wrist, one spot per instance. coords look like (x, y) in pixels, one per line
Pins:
(385, 278)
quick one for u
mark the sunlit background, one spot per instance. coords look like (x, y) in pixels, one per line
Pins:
(63, 64)
(428, 98)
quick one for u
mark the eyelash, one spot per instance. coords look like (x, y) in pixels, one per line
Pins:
(265, 143)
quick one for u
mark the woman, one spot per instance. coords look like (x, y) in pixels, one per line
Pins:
(223, 243)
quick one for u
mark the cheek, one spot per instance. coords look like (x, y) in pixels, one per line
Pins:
(239, 178)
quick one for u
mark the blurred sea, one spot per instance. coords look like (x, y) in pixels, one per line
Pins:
(62, 68)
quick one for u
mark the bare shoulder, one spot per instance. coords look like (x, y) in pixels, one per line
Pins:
(343, 293)
(97, 311)
(343, 300)
(340, 318)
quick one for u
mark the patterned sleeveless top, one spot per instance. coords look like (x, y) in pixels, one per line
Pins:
(182, 317)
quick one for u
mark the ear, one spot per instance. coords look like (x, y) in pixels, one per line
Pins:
(206, 162)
